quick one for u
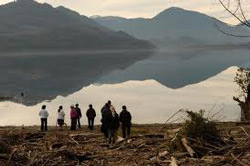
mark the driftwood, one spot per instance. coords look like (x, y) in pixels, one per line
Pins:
(11, 155)
(58, 148)
(188, 148)
(173, 162)
(235, 158)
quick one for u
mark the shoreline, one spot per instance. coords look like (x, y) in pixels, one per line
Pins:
(236, 123)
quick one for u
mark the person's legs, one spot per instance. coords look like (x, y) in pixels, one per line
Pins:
(104, 129)
(79, 123)
(109, 136)
(72, 124)
(92, 124)
(128, 130)
(114, 136)
(42, 127)
(75, 123)
(45, 123)
(106, 133)
(60, 123)
(123, 130)
(89, 123)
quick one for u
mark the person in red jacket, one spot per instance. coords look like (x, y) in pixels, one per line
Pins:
(73, 116)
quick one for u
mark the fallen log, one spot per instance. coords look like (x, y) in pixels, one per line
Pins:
(188, 148)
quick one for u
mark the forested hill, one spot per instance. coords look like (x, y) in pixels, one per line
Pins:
(29, 25)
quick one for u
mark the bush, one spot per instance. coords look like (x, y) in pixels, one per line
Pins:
(199, 127)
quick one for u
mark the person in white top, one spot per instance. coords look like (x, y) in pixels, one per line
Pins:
(60, 118)
(44, 115)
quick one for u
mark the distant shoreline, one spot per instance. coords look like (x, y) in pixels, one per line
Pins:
(220, 46)
(66, 52)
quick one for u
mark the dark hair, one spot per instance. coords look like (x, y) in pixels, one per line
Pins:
(90, 106)
(60, 108)
(77, 105)
(124, 107)
(44, 106)
(109, 102)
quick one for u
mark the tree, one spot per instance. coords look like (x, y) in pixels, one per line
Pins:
(242, 78)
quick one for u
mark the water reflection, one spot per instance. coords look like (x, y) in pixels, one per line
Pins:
(43, 76)
(149, 101)
(176, 68)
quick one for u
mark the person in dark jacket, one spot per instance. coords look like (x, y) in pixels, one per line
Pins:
(105, 111)
(91, 114)
(125, 119)
(79, 115)
(112, 126)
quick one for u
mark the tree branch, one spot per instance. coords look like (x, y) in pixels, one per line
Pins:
(234, 13)
(243, 14)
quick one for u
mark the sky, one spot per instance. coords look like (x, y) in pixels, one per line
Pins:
(143, 8)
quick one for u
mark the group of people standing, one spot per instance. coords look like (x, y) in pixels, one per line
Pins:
(110, 120)
(75, 116)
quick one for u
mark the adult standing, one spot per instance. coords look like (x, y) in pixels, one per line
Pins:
(79, 115)
(105, 111)
(44, 116)
(73, 116)
(125, 119)
(112, 125)
(60, 118)
(91, 114)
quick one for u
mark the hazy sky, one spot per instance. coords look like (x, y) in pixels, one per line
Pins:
(142, 8)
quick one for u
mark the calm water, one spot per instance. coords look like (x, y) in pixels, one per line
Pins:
(152, 86)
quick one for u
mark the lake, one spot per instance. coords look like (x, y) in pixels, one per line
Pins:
(153, 85)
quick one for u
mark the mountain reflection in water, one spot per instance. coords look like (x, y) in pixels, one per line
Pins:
(43, 76)
(149, 101)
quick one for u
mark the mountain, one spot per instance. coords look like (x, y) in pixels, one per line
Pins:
(175, 25)
(29, 25)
